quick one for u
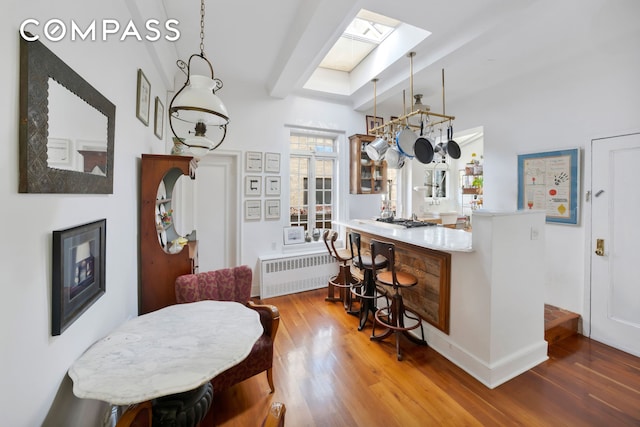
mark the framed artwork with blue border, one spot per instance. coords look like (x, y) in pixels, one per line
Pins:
(549, 181)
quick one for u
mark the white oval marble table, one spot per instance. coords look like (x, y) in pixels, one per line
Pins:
(169, 351)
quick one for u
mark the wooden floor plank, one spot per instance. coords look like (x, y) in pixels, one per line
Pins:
(330, 374)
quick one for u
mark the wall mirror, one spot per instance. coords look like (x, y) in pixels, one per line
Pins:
(67, 127)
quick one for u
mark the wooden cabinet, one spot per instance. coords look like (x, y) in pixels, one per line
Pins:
(365, 175)
(160, 261)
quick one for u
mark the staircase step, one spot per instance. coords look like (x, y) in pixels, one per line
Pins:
(559, 323)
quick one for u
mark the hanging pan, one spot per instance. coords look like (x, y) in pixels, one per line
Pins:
(451, 147)
(394, 158)
(423, 148)
(377, 149)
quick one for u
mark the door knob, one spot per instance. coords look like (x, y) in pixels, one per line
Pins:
(600, 247)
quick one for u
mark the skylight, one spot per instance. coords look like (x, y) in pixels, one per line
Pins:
(362, 36)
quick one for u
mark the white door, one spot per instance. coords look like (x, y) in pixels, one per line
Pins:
(615, 271)
(217, 216)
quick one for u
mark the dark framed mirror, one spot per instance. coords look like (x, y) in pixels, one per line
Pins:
(67, 127)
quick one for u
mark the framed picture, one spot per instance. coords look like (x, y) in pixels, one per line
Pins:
(549, 181)
(78, 272)
(272, 186)
(252, 185)
(293, 235)
(253, 161)
(158, 119)
(373, 122)
(272, 209)
(60, 153)
(252, 209)
(272, 162)
(143, 98)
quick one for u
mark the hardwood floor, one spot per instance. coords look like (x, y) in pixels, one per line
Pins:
(330, 374)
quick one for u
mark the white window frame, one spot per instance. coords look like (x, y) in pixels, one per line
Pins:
(336, 185)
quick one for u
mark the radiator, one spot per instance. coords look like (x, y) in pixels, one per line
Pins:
(296, 273)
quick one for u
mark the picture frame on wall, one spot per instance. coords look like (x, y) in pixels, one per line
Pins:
(252, 185)
(78, 272)
(158, 119)
(272, 186)
(272, 209)
(60, 153)
(253, 161)
(272, 162)
(143, 98)
(549, 181)
(252, 210)
(373, 122)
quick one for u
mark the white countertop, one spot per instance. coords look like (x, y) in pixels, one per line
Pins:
(432, 237)
(172, 350)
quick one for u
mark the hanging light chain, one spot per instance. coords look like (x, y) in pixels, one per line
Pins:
(202, 28)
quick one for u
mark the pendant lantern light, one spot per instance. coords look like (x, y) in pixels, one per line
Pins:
(196, 104)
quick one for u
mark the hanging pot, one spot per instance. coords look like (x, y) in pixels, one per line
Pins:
(394, 158)
(377, 149)
(423, 150)
(406, 138)
(452, 148)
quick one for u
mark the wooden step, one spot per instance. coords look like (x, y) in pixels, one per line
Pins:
(559, 323)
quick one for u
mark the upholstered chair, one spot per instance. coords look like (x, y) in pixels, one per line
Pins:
(234, 284)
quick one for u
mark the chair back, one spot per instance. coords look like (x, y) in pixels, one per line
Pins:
(227, 284)
(385, 250)
(329, 237)
(343, 256)
(354, 241)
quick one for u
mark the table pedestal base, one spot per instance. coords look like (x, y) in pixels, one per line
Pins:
(183, 409)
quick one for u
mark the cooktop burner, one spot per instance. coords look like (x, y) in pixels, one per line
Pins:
(407, 223)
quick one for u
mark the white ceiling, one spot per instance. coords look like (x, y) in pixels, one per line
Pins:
(278, 44)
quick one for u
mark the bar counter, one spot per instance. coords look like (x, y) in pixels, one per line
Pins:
(434, 237)
(480, 293)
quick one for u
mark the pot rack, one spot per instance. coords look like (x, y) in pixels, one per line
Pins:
(389, 127)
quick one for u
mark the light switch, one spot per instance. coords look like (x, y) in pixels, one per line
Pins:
(535, 233)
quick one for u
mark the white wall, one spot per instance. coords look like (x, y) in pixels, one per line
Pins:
(261, 123)
(563, 105)
(591, 94)
(33, 364)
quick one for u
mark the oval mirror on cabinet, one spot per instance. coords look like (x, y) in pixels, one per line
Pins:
(174, 211)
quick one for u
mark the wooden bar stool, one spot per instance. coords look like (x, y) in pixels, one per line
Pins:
(394, 318)
(344, 281)
(369, 293)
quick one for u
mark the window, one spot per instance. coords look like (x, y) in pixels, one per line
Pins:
(312, 181)
(362, 36)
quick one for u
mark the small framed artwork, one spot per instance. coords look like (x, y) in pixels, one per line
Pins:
(252, 209)
(272, 186)
(293, 235)
(60, 153)
(373, 122)
(272, 209)
(78, 272)
(143, 98)
(272, 162)
(252, 185)
(158, 120)
(253, 161)
(549, 181)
